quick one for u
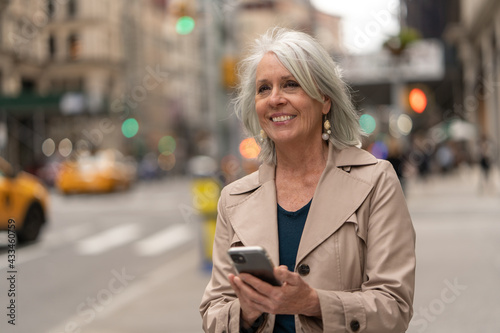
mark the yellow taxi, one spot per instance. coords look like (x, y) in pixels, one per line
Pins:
(23, 203)
(103, 171)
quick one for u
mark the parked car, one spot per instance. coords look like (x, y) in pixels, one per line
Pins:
(23, 199)
(103, 171)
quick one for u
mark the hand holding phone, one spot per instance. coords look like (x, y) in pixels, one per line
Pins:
(253, 260)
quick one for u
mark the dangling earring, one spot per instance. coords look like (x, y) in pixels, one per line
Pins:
(327, 126)
(263, 135)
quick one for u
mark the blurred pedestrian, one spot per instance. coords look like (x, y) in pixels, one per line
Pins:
(332, 215)
(485, 158)
(445, 158)
(396, 157)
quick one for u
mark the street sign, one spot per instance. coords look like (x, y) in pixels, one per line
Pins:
(423, 61)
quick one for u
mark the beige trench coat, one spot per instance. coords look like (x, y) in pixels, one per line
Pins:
(358, 243)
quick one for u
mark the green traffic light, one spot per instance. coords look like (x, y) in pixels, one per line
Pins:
(185, 25)
(130, 127)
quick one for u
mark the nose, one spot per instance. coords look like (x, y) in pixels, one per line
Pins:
(276, 98)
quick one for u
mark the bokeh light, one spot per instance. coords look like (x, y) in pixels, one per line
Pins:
(184, 25)
(249, 148)
(130, 127)
(367, 123)
(48, 147)
(393, 126)
(418, 100)
(65, 147)
(405, 124)
(82, 146)
(166, 162)
(167, 145)
(379, 149)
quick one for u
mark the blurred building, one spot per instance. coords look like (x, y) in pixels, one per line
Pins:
(477, 37)
(128, 74)
(101, 73)
(253, 18)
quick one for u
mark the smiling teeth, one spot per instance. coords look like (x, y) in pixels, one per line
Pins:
(282, 118)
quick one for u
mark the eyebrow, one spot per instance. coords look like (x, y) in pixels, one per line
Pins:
(285, 77)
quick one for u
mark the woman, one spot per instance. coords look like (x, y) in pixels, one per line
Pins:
(331, 214)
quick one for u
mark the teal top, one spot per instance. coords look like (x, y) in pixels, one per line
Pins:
(290, 227)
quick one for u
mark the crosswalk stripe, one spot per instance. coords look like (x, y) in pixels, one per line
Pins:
(108, 239)
(165, 240)
(66, 235)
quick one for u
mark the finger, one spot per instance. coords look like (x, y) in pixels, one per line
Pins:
(245, 288)
(233, 284)
(282, 273)
(287, 277)
(257, 284)
(250, 293)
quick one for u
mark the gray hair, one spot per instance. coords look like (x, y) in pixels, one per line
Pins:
(317, 74)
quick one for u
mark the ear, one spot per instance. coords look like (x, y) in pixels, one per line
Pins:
(327, 104)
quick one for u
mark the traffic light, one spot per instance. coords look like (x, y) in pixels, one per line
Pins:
(229, 76)
(184, 25)
(417, 100)
(185, 22)
(130, 127)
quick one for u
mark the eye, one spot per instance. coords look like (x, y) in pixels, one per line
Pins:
(291, 84)
(263, 88)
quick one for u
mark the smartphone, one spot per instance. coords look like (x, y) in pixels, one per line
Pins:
(253, 260)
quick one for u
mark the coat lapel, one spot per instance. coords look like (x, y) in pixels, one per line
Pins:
(254, 218)
(337, 196)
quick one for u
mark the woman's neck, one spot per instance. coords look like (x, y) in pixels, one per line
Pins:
(304, 159)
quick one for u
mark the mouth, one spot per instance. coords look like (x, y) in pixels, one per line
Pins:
(281, 118)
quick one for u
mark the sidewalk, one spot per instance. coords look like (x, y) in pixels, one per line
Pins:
(168, 299)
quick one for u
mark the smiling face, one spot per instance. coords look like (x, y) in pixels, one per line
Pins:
(286, 113)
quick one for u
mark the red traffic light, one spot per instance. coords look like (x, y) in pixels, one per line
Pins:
(418, 100)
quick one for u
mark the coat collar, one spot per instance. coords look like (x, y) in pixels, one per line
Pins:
(346, 157)
(337, 197)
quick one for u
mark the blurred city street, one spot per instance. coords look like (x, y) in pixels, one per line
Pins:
(119, 123)
(131, 262)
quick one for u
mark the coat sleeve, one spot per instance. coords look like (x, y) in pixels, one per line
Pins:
(220, 308)
(384, 301)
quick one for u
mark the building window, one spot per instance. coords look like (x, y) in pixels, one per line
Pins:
(27, 86)
(74, 47)
(52, 47)
(72, 8)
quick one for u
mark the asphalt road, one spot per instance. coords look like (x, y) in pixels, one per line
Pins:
(130, 262)
(94, 249)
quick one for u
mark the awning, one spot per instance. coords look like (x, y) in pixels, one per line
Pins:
(26, 104)
(67, 103)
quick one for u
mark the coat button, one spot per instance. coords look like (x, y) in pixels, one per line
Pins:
(303, 269)
(355, 325)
